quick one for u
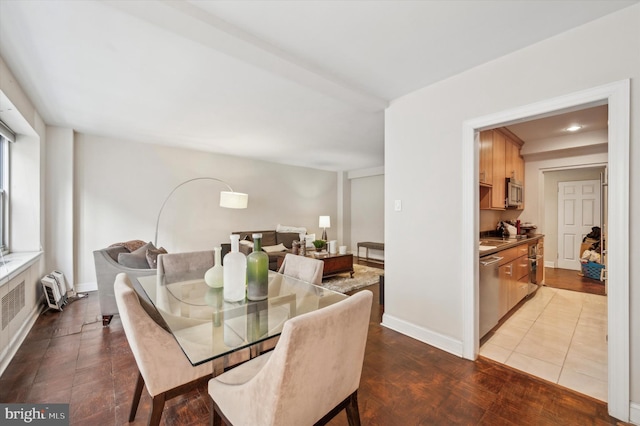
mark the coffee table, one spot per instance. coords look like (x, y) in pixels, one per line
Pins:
(334, 264)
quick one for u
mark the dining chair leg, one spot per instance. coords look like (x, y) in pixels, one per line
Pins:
(353, 414)
(216, 420)
(156, 409)
(136, 397)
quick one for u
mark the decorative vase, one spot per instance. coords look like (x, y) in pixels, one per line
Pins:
(257, 271)
(214, 277)
(234, 272)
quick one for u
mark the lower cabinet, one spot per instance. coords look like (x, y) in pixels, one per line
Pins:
(518, 291)
(505, 272)
(514, 279)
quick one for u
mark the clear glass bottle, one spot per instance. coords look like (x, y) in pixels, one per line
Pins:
(257, 320)
(257, 271)
(234, 272)
(214, 277)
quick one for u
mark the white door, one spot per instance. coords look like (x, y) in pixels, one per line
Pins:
(578, 212)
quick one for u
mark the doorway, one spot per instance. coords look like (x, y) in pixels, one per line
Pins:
(578, 213)
(616, 95)
(559, 333)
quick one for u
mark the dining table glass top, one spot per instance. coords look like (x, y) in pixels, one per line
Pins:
(207, 327)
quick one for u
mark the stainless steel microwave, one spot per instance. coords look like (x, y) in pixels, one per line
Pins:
(514, 193)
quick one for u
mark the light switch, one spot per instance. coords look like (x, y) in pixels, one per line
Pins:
(398, 205)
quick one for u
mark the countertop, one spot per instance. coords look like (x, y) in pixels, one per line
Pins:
(500, 244)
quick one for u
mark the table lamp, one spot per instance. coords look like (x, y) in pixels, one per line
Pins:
(228, 199)
(324, 223)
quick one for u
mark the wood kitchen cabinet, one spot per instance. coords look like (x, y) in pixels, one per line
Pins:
(492, 169)
(513, 274)
(519, 288)
(540, 269)
(499, 159)
(486, 158)
(513, 161)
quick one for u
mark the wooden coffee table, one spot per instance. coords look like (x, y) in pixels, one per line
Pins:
(334, 264)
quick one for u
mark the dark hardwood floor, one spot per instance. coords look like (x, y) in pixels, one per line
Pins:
(572, 280)
(68, 357)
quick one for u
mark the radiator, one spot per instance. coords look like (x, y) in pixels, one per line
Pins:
(55, 293)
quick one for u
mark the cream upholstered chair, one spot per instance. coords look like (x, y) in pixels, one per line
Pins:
(177, 266)
(181, 268)
(304, 268)
(162, 365)
(311, 375)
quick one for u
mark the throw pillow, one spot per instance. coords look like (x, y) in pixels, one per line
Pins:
(114, 251)
(152, 256)
(293, 229)
(136, 259)
(309, 239)
(287, 238)
(246, 243)
(274, 249)
(131, 245)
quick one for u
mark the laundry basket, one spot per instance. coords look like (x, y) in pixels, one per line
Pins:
(593, 270)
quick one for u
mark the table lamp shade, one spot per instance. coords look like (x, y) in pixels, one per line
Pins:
(325, 222)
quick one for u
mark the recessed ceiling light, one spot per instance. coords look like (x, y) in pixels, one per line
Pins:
(573, 128)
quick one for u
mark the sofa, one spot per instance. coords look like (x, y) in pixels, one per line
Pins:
(275, 244)
(136, 258)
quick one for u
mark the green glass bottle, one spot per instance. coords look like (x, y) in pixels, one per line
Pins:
(257, 271)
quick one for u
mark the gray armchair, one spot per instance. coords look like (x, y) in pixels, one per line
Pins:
(107, 267)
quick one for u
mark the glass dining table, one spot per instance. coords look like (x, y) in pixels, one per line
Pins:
(208, 328)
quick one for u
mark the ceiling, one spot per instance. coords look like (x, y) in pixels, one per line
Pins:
(588, 119)
(295, 82)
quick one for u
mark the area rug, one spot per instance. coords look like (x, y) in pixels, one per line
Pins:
(362, 277)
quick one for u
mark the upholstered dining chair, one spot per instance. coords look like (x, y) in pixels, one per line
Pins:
(312, 374)
(179, 265)
(163, 367)
(303, 268)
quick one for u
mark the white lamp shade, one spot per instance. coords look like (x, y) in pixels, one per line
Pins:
(324, 222)
(233, 200)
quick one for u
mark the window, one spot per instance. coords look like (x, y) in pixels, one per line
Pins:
(4, 199)
(6, 136)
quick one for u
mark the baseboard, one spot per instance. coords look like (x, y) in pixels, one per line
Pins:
(7, 355)
(549, 264)
(85, 287)
(634, 413)
(424, 335)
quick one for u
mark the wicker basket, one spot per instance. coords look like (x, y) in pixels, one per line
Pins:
(593, 270)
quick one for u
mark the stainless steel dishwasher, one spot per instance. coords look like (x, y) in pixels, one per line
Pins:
(489, 288)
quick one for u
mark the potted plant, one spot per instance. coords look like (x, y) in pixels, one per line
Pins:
(319, 244)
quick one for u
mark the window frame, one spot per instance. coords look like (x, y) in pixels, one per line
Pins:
(4, 193)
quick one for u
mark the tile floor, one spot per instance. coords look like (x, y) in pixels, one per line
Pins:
(557, 335)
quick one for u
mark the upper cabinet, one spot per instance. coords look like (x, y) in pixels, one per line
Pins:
(486, 158)
(514, 163)
(499, 159)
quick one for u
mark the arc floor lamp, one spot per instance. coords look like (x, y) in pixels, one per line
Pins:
(228, 199)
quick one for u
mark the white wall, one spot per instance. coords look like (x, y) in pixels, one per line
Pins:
(423, 168)
(120, 186)
(59, 201)
(367, 212)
